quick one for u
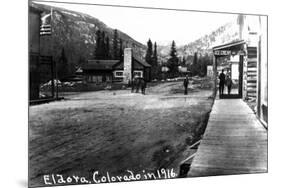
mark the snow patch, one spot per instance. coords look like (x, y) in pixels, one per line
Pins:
(69, 13)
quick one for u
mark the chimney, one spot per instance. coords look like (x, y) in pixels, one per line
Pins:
(127, 65)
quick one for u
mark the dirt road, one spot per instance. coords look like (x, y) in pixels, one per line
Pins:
(115, 131)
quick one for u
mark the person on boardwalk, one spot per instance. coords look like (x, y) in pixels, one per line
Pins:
(185, 84)
(222, 82)
(228, 84)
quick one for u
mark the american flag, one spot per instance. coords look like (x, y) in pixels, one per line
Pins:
(45, 28)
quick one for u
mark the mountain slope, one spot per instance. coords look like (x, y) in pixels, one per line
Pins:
(224, 34)
(76, 33)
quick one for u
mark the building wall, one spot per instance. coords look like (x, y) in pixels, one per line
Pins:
(119, 74)
(97, 76)
(136, 67)
(255, 81)
(244, 77)
(263, 95)
(34, 30)
(34, 52)
(249, 33)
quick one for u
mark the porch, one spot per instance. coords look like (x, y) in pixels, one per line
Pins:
(235, 142)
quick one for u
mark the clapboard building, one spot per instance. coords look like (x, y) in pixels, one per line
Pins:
(102, 71)
(34, 52)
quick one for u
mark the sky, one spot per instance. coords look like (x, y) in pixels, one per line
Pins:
(161, 26)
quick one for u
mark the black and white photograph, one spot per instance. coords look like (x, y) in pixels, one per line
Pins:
(132, 93)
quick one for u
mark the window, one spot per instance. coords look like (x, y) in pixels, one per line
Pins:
(138, 73)
(118, 74)
(94, 79)
(99, 79)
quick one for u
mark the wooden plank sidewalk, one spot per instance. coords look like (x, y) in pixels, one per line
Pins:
(234, 142)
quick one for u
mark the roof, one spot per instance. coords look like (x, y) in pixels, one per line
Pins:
(110, 64)
(229, 45)
(145, 64)
(100, 64)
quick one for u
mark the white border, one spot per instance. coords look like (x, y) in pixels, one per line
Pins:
(14, 97)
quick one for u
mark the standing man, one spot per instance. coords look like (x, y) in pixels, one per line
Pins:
(142, 85)
(222, 82)
(228, 84)
(133, 84)
(185, 84)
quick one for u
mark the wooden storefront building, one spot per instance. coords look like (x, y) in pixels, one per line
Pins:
(34, 52)
(250, 54)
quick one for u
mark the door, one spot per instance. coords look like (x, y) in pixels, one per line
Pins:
(232, 67)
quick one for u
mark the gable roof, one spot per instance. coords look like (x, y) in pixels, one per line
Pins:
(144, 63)
(100, 64)
(110, 64)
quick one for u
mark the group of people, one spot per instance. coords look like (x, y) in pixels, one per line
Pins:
(224, 80)
(138, 83)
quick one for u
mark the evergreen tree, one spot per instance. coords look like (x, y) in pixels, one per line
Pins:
(63, 65)
(115, 45)
(121, 50)
(98, 45)
(154, 68)
(81, 60)
(203, 61)
(195, 67)
(107, 49)
(173, 61)
(103, 46)
(183, 62)
(155, 58)
(149, 53)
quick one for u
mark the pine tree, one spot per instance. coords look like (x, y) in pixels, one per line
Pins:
(194, 66)
(154, 68)
(115, 45)
(203, 61)
(121, 50)
(81, 60)
(149, 53)
(63, 65)
(107, 49)
(98, 45)
(103, 46)
(183, 62)
(155, 58)
(173, 61)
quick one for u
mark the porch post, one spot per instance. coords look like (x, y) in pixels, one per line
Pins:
(215, 73)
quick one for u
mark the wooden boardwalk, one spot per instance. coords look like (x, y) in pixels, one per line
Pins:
(234, 142)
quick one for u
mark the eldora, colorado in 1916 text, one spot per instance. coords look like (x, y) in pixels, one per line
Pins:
(97, 177)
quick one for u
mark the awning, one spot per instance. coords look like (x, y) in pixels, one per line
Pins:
(233, 48)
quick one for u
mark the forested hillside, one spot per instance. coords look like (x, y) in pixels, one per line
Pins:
(74, 39)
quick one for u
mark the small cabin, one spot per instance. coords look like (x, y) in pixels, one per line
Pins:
(102, 71)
